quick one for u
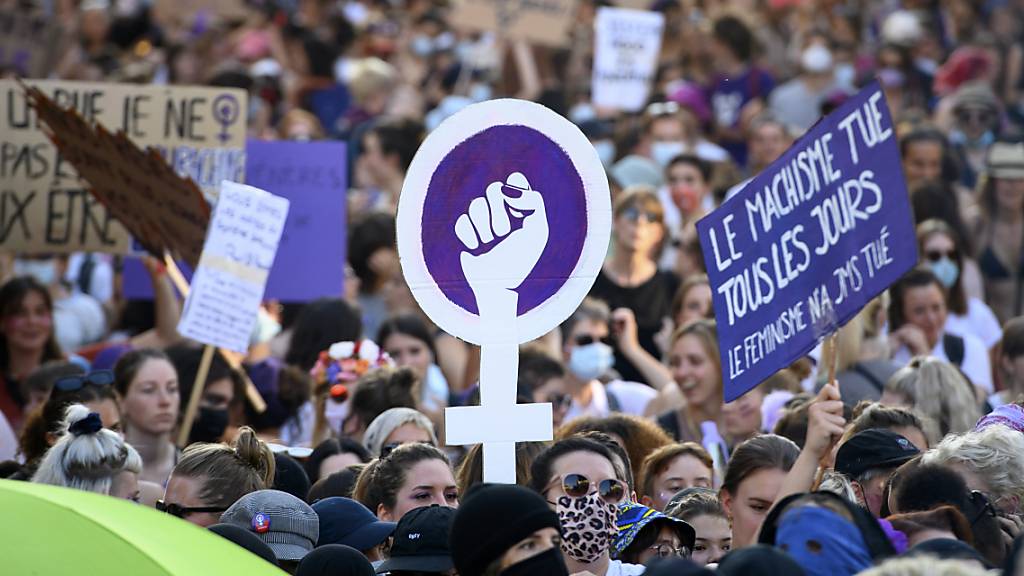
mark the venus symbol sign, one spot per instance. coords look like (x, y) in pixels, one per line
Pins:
(503, 224)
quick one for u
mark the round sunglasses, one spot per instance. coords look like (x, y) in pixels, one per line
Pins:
(611, 490)
(74, 383)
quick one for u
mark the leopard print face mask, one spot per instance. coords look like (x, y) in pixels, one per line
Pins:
(588, 526)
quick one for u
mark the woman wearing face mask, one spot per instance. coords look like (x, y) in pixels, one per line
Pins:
(525, 543)
(696, 369)
(26, 341)
(941, 251)
(578, 479)
(752, 482)
(688, 191)
(1001, 255)
(630, 277)
(147, 383)
(222, 392)
(411, 476)
(91, 458)
(798, 101)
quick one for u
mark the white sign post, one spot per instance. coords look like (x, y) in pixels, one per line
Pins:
(503, 224)
(626, 48)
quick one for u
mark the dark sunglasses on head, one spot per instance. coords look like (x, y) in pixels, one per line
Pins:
(95, 378)
(662, 109)
(633, 214)
(180, 511)
(936, 255)
(611, 490)
(587, 339)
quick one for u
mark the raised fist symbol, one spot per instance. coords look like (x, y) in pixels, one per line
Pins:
(504, 257)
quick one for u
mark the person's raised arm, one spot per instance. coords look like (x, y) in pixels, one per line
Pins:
(167, 308)
(825, 424)
(625, 332)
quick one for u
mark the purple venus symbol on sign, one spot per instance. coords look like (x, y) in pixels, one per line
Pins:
(225, 112)
(503, 224)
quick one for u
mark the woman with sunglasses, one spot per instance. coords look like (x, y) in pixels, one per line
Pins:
(578, 478)
(410, 476)
(1001, 255)
(942, 252)
(92, 458)
(209, 478)
(27, 340)
(44, 427)
(147, 383)
(398, 426)
(630, 277)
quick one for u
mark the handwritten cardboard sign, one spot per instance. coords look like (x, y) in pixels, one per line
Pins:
(165, 212)
(808, 242)
(545, 22)
(503, 224)
(626, 47)
(44, 206)
(239, 252)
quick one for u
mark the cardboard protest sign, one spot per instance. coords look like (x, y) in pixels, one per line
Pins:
(545, 22)
(239, 252)
(626, 48)
(30, 41)
(503, 224)
(808, 242)
(166, 213)
(44, 206)
(312, 253)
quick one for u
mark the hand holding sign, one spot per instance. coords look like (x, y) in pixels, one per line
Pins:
(507, 255)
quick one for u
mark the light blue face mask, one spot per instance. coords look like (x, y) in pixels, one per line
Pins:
(591, 361)
(605, 151)
(946, 270)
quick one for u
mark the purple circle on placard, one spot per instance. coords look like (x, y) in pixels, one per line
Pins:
(464, 174)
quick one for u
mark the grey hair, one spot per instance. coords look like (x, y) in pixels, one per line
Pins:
(940, 393)
(390, 420)
(995, 454)
(88, 462)
(925, 566)
(837, 483)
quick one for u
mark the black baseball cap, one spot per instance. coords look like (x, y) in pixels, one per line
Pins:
(871, 449)
(421, 542)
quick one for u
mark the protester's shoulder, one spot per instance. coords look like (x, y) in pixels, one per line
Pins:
(618, 568)
(622, 388)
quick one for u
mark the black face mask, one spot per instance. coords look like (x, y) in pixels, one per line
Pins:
(548, 563)
(210, 425)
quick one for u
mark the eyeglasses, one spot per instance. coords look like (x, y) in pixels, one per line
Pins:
(633, 214)
(180, 511)
(662, 109)
(666, 551)
(587, 339)
(983, 505)
(560, 400)
(936, 255)
(611, 490)
(979, 116)
(75, 383)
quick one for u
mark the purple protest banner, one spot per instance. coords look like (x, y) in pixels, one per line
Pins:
(808, 242)
(310, 261)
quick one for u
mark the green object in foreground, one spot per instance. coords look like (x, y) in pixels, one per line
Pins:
(50, 531)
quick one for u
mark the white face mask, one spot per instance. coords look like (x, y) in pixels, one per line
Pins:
(816, 58)
(845, 74)
(591, 361)
(664, 152)
(605, 151)
(946, 270)
(45, 271)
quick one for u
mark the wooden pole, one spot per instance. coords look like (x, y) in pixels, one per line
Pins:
(830, 357)
(197, 392)
(251, 392)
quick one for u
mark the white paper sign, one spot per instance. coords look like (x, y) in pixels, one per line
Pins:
(626, 47)
(228, 285)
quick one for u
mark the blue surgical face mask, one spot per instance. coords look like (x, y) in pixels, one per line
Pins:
(946, 270)
(605, 151)
(664, 152)
(591, 361)
(845, 74)
(957, 136)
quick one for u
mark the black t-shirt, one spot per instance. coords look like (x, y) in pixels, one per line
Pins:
(650, 302)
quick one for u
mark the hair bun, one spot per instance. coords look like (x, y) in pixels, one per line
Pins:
(82, 422)
(255, 453)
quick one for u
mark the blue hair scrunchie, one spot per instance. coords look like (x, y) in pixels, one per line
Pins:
(91, 424)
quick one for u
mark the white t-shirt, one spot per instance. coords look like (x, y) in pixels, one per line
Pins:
(78, 320)
(633, 399)
(976, 364)
(979, 322)
(617, 568)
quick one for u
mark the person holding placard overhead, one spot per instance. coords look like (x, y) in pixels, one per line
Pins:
(917, 327)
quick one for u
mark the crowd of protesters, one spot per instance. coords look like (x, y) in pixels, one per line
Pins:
(910, 462)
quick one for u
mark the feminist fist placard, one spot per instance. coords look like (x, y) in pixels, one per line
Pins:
(503, 225)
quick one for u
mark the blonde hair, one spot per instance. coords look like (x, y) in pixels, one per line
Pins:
(389, 421)
(924, 566)
(228, 472)
(939, 393)
(86, 460)
(838, 484)
(995, 454)
(371, 76)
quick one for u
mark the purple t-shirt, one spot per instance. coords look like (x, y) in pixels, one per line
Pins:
(728, 97)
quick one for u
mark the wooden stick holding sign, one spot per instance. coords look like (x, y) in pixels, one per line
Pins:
(251, 392)
(830, 392)
(197, 392)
